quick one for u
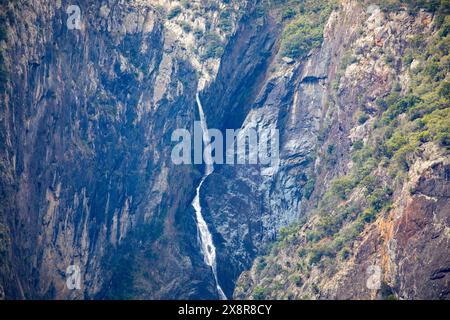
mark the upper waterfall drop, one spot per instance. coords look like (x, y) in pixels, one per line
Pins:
(205, 237)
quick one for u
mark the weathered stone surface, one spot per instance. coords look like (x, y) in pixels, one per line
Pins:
(85, 171)
(86, 174)
(410, 244)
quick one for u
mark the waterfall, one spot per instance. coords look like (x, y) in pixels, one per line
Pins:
(205, 237)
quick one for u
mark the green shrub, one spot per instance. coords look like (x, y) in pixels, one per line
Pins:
(444, 90)
(343, 186)
(314, 235)
(417, 42)
(297, 279)
(329, 224)
(214, 48)
(439, 126)
(382, 104)
(389, 59)
(309, 188)
(330, 148)
(433, 69)
(358, 144)
(394, 143)
(262, 263)
(259, 293)
(186, 26)
(408, 59)
(345, 253)
(363, 117)
(368, 215)
(379, 198)
(402, 124)
(398, 107)
(174, 12)
(288, 13)
(299, 37)
(225, 21)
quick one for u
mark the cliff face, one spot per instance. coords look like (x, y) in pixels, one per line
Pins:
(86, 120)
(86, 175)
(370, 215)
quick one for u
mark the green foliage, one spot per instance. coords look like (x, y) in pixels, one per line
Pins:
(363, 117)
(214, 47)
(445, 29)
(261, 265)
(289, 13)
(389, 59)
(300, 37)
(379, 198)
(330, 148)
(400, 106)
(444, 90)
(438, 125)
(358, 145)
(408, 58)
(387, 293)
(259, 293)
(225, 20)
(186, 27)
(309, 188)
(306, 31)
(174, 12)
(297, 279)
(314, 235)
(345, 253)
(397, 141)
(343, 186)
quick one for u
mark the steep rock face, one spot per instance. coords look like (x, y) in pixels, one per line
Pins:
(86, 175)
(232, 210)
(329, 255)
(410, 244)
(248, 204)
(86, 120)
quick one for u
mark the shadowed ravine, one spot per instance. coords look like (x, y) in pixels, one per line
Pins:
(205, 237)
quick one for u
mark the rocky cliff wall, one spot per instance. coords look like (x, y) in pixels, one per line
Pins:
(86, 176)
(86, 120)
(364, 209)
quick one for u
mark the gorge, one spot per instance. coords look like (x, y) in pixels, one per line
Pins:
(357, 90)
(207, 246)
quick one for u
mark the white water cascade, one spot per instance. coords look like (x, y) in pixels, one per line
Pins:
(206, 242)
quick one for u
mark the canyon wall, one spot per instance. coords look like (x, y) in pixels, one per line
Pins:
(86, 176)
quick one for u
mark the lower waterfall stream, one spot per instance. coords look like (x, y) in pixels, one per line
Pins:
(205, 237)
